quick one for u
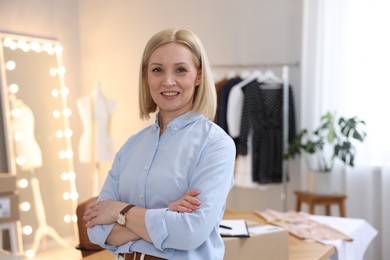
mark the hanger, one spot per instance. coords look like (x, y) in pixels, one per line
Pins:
(244, 74)
(270, 80)
(231, 74)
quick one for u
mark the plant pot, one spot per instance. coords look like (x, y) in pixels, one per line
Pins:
(327, 182)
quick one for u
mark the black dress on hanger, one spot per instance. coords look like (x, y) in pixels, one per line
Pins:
(263, 116)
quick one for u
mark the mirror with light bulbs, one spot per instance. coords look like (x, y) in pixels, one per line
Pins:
(37, 144)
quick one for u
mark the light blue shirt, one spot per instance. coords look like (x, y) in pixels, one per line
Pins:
(151, 171)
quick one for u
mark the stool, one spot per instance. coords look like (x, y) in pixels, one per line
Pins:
(313, 199)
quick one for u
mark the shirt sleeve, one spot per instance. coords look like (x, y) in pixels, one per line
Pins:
(213, 177)
(99, 233)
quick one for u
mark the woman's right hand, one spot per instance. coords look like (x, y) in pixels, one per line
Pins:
(188, 203)
(103, 212)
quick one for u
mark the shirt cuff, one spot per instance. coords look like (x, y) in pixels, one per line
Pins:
(156, 226)
(98, 235)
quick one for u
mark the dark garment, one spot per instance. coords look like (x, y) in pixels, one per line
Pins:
(263, 115)
(224, 96)
(218, 87)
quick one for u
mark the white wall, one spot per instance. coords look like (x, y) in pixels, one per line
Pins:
(112, 37)
(103, 41)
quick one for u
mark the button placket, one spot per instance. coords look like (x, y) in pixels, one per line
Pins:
(147, 166)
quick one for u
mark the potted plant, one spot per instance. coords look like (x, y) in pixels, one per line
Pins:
(332, 140)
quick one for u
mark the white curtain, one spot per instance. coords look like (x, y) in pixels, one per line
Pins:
(345, 65)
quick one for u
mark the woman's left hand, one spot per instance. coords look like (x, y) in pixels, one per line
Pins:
(188, 203)
(103, 212)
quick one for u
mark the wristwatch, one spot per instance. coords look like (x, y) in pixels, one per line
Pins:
(121, 218)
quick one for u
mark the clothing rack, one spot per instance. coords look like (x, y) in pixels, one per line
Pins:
(255, 65)
(285, 78)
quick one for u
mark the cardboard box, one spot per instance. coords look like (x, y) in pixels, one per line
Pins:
(7, 183)
(265, 242)
(9, 207)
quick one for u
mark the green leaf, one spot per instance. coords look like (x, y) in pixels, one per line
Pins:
(357, 136)
(339, 135)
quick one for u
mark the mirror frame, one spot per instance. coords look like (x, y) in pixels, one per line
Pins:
(61, 92)
(6, 114)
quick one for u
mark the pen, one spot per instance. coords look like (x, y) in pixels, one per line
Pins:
(225, 227)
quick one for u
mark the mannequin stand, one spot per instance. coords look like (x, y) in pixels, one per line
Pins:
(43, 229)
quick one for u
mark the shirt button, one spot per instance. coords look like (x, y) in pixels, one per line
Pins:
(141, 196)
(145, 168)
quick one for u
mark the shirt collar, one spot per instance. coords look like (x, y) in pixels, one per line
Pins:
(179, 122)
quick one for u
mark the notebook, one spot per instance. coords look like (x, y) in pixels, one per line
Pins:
(233, 228)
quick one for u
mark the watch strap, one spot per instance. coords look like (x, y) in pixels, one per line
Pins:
(122, 219)
(126, 209)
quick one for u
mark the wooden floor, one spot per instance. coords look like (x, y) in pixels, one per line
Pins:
(60, 253)
(57, 253)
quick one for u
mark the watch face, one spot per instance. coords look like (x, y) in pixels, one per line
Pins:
(121, 219)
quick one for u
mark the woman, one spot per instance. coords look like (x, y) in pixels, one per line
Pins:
(165, 194)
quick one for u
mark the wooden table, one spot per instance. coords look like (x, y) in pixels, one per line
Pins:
(298, 249)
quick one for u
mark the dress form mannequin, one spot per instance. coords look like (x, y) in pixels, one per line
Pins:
(27, 146)
(96, 144)
(23, 126)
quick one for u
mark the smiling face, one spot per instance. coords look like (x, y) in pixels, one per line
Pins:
(172, 77)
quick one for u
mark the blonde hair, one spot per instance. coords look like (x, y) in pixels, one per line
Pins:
(205, 98)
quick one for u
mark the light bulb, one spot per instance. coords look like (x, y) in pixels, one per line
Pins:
(64, 176)
(62, 154)
(55, 92)
(71, 175)
(67, 218)
(59, 134)
(35, 46)
(56, 114)
(8, 42)
(22, 44)
(68, 132)
(20, 160)
(61, 70)
(67, 112)
(58, 48)
(65, 154)
(23, 183)
(26, 48)
(11, 65)
(69, 154)
(66, 195)
(65, 91)
(25, 206)
(27, 230)
(16, 112)
(18, 136)
(48, 48)
(30, 254)
(13, 88)
(74, 196)
(53, 72)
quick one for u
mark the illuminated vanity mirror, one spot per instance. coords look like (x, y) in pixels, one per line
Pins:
(38, 138)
